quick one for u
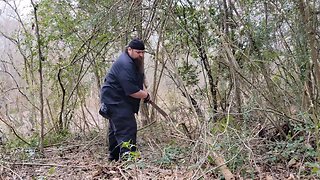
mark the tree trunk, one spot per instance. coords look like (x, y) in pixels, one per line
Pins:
(41, 58)
(228, 29)
(308, 21)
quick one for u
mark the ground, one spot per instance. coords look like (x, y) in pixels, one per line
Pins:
(82, 159)
(86, 158)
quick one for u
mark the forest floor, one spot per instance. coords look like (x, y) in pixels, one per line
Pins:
(83, 159)
(86, 158)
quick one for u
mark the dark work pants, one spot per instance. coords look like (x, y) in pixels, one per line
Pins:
(122, 128)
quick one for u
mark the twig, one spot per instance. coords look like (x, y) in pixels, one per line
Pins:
(144, 127)
(40, 164)
(12, 171)
(187, 132)
(202, 161)
(14, 131)
(90, 142)
(274, 111)
(122, 174)
(157, 145)
(182, 138)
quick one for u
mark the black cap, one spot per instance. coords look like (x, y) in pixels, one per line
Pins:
(136, 44)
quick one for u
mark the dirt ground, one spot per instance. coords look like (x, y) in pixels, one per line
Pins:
(80, 158)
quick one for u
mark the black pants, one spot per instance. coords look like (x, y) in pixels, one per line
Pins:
(122, 128)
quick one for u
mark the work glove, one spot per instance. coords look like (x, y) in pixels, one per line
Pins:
(147, 99)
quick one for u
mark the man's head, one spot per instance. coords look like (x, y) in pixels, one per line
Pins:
(136, 49)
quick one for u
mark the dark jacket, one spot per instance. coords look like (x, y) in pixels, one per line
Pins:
(122, 80)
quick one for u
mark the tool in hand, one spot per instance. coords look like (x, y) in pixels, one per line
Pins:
(165, 115)
(161, 111)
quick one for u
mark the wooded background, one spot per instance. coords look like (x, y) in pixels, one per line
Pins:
(229, 73)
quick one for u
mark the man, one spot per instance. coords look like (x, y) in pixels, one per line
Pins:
(120, 97)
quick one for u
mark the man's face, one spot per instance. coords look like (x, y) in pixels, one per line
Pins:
(136, 54)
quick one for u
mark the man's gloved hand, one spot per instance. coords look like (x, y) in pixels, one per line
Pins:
(147, 99)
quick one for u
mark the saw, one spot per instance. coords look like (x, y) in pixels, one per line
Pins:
(161, 111)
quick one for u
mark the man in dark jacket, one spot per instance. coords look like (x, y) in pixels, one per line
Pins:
(120, 97)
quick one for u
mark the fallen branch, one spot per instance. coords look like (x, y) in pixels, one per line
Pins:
(40, 164)
(5, 167)
(223, 167)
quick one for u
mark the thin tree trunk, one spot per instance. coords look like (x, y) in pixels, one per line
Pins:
(138, 16)
(228, 28)
(308, 21)
(205, 61)
(63, 96)
(41, 58)
(158, 58)
(137, 11)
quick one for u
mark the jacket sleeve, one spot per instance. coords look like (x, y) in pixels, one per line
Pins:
(128, 80)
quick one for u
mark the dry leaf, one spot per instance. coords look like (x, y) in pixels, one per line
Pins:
(292, 162)
(96, 173)
(269, 177)
(291, 177)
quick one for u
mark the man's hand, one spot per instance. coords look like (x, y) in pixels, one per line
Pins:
(147, 99)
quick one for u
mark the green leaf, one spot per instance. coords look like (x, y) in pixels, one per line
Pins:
(315, 170)
(210, 159)
(51, 170)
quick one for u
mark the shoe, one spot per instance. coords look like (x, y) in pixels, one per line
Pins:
(112, 158)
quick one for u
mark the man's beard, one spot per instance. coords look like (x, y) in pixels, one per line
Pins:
(140, 64)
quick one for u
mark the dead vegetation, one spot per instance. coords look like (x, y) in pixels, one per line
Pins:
(166, 154)
(238, 80)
